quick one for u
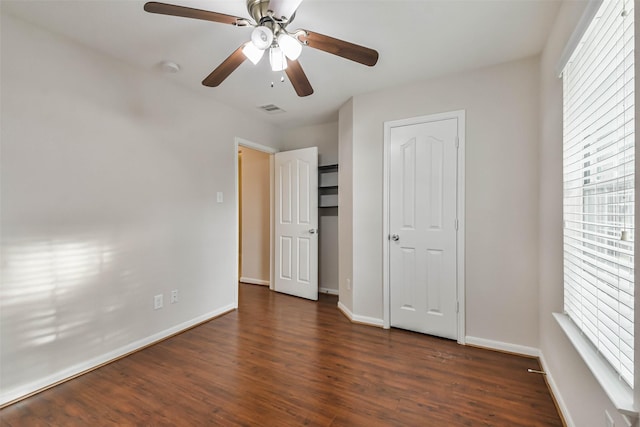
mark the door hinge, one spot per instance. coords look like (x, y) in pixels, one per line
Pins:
(456, 224)
(457, 306)
(457, 142)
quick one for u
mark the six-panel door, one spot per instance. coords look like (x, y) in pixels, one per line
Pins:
(422, 223)
(296, 222)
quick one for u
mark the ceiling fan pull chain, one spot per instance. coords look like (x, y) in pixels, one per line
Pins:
(281, 80)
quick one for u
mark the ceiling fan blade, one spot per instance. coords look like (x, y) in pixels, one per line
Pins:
(187, 12)
(227, 67)
(347, 50)
(284, 8)
(298, 78)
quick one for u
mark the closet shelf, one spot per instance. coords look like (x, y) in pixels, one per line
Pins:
(328, 188)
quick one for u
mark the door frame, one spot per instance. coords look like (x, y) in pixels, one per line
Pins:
(239, 142)
(459, 115)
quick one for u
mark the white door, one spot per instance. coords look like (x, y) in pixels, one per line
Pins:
(296, 223)
(422, 227)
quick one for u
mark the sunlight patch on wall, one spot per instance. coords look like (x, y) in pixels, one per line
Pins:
(50, 290)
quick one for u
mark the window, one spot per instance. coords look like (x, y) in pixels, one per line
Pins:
(599, 192)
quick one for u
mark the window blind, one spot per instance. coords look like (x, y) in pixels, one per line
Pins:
(598, 178)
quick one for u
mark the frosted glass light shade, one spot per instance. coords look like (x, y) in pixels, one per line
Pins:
(277, 59)
(252, 53)
(262, 37)
(290, 46)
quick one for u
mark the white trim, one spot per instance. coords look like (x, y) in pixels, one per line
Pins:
(371, 321)
(462, 138)
(343, 308)
(252, 281)
(386, 287)
(239, 142)
(460, 116)
(365, 320)
(330, 291)
(503, 346)
(272, 225)
(588, 14)
(66, 374)
(255, 146)
(620, 394)
(555, 391)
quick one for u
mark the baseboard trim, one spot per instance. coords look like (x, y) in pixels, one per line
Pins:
(330, 291)
(251, 281)
(555, 393)
(15, 395)
(347, 313)
(502, 346)
(363, 320)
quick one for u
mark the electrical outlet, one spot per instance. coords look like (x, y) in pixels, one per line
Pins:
(157, 302)
(608, 420)
(174, 296)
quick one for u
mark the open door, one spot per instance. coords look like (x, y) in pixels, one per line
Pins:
(296, 222)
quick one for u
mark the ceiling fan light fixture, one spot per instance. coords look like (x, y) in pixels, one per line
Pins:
(252, 53)
(277, 59)
(262, 37)
(290, 46)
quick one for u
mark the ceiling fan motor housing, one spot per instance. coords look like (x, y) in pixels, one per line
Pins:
(260, 12)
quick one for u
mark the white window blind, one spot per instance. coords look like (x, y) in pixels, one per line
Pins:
(599, 192)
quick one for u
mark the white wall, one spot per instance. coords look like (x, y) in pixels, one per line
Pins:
(575, 386)
(501, 104)
(255, 206)
(109, 178)
(325, 137)
(345, 203)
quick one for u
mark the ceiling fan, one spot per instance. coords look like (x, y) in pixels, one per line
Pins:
(270, 21)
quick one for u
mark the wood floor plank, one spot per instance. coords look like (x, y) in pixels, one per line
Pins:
(284, 361)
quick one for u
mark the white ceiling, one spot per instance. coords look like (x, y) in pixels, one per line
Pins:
(416, 40)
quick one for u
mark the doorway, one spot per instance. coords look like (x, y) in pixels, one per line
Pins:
(260, 259)
(254, 191)
(254, 198)
(424, 225)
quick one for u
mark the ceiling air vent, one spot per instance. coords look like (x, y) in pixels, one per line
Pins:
(271, 109)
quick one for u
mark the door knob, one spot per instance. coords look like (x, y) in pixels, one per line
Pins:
(395, 237)
(313, 231)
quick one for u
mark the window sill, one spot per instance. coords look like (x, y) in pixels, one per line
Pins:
(617, 390)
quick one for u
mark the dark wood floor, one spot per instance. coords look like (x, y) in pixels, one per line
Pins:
(284, 361)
